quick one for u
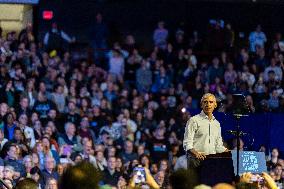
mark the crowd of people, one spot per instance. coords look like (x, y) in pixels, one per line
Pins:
(126, 108)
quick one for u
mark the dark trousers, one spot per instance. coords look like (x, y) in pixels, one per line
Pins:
(193, 166)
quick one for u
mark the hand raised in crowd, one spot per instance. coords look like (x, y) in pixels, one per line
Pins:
(268, 181)
(122, 184)
(246, 177)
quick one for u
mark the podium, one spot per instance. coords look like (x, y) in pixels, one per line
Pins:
(222, 167)
(217, 168)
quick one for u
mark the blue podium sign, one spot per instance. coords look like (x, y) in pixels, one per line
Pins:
(250, 161)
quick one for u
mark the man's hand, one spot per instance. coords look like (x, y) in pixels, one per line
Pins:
(198, 155)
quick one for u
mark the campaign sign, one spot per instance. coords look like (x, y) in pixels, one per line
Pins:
(250, 161)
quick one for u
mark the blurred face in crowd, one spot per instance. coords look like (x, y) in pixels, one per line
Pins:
(118, 163)
(128, 147)
(78, 159)
(140, 149)
(35, 177)
(88, 147)
(160, 132)
(274, 153)
(71, 106)
(111, 163)
(100, 156)
(70, 130)
(163, 165)
(3, 108)
(45, 143)
(24, 103)
(278, 170)
(49, 163)
(23, 119)
(37, 125)
(134, 163)
(39, 147)
(149, 114)
(10, 119)
(35, 159)
(51, 184)
(160, 177)
(84, 123)
(111, 151)
(60, 169)
(272, 174)
(145, 161)
(52, 114)
(99, 148)
(18, 135)
(42, 87)
(48, 131)
(34, 117)
(28, 162)
(154, 168)
(8, 172)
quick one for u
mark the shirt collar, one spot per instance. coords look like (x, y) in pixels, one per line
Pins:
(204, 116)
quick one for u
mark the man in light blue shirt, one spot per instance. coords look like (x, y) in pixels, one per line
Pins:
(257, 38)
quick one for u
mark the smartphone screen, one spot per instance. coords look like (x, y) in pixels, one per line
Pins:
(141, 175)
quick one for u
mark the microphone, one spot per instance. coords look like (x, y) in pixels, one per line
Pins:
(232, 132)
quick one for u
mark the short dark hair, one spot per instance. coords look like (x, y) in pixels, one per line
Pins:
(179, 179)
(81, 176)
(35, 170)
(26, 183)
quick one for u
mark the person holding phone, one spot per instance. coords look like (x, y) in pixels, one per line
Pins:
(142, 177)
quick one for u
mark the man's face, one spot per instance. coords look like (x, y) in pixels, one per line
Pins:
(209, 104)
(71, 106)
(111, 163)
(18, 135)
(128, 147)
(24, 103)
(71, 130)
(52, 114)
(12, 153)
(49, 163)
(88, 147)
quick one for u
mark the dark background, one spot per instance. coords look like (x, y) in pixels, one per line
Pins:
(139, 17)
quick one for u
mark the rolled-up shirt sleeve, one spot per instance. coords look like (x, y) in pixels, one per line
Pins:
(219, 143)
(190, 129)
